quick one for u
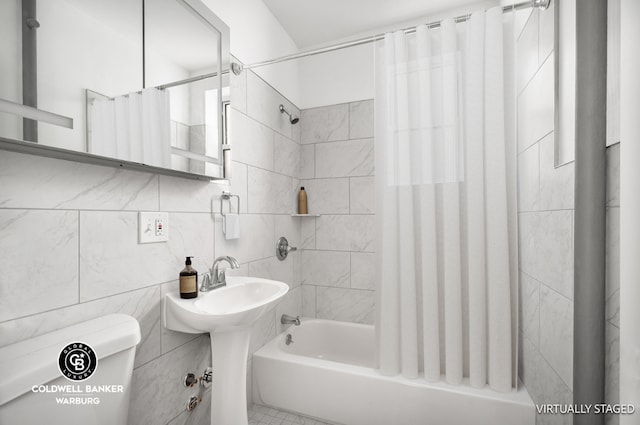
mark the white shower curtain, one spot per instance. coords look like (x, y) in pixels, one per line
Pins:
(445, 195)
(135, 127)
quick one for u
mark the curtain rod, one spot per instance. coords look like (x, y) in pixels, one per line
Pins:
(237, 68)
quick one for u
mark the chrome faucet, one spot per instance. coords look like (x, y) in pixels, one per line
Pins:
(217, 278)
(285, 319)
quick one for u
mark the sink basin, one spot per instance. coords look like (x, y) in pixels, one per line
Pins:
(226, 314)
(239, 304)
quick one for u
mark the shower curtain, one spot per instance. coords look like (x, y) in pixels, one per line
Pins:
(446, 205)
(134, 127)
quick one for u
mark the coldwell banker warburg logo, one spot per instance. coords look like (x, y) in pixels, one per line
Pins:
(77, 361)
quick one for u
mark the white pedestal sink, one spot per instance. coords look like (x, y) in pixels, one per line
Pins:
(226, 314)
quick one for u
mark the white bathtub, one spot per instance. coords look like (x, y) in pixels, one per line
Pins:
(327, 373)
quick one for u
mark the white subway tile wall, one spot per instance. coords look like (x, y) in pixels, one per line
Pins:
(556, 328)
(337, 171)
(39, 259)
(529, 179)
(535, 103)
(325, 124)
(530, 308)
(347, 158)
(612, 282)
(545, 227)
(556, 183)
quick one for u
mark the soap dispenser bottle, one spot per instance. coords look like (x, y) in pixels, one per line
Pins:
(302, 201)
(188, 281)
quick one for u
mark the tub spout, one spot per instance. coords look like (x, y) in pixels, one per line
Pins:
(285, 319)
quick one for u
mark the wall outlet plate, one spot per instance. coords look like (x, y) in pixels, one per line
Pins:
(153, 227)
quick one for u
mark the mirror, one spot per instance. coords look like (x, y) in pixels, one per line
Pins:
(136, 83)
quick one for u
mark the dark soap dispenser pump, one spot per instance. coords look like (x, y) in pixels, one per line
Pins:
(188, 281)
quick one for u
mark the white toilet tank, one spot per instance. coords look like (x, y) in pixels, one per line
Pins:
(97, 355)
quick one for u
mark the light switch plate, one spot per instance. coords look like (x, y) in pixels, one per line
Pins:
(153, 227)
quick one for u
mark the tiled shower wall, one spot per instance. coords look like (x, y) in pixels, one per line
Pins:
(546, 211)
(612, 325)
(69, 251)
(337, 172)
(266, 158)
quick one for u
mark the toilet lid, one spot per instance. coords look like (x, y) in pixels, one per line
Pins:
(35, 361)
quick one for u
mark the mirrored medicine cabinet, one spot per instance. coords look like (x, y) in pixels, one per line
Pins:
(138, 84)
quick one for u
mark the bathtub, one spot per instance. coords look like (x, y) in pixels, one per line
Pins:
(327, 373)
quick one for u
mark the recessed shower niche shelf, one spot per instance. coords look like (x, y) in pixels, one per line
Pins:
(305, 215)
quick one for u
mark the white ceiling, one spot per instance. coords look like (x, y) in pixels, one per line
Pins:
(314, 22)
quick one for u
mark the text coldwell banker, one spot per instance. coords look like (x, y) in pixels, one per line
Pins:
(69, 389)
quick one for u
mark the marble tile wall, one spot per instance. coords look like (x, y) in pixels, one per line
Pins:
(69, 251)
(612, 282)
(545, 213)
(337, 171)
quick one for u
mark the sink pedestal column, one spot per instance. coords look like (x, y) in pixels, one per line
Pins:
(229, 351)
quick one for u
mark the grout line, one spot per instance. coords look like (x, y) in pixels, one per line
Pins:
(172, 350)
(349, 194)
(315, 156)
(539, 282)
(334, 178)
(326, 142)
(339, 287)
(537, 141)
(555, 291)
(262, 168)
(86, 301)
(525, 25)
(541, 211)
(542, 356)
(349, 120)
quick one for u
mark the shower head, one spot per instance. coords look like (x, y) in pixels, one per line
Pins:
(292, 118)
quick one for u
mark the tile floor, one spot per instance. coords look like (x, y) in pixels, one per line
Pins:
(262, 415)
